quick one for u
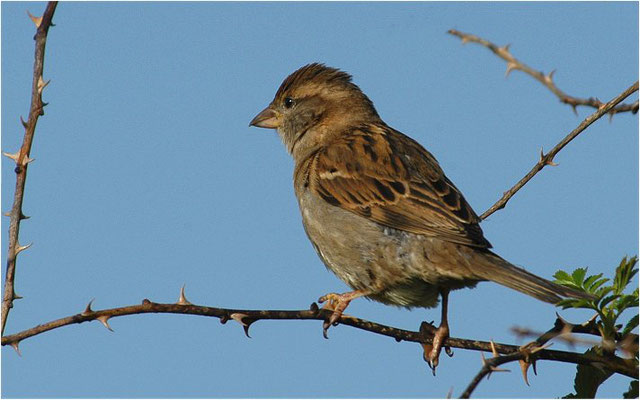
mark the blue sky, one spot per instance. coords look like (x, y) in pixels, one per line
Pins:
(147, 177)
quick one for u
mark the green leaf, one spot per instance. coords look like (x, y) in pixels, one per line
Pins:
(562, 277)
(596, 285)
(626, 301)
(607, 300)
(575, 303)
(589, 280)
(632, 393)
(631, 325)
(600, 293)
(578, 276)
(624, 273)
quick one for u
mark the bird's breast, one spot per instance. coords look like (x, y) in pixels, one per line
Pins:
(405, 268)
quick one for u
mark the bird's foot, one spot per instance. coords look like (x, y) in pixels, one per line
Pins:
(432, 351)
(337, 303)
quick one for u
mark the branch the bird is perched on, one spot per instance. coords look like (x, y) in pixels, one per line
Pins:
(247, 317)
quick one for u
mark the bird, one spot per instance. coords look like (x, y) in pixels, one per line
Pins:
(378, 208)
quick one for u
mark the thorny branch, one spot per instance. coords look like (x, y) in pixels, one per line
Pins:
(545, 79)
(248, 317)
(21, 158)
(547, 159)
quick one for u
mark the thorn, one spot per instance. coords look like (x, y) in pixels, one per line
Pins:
(524, 367)
(224, 319)
(544, 161)
(22, 216)
(105, 321)
(564, 321)
(20, 249)
(493, 349)
(27, 160)
(535, 370)
(549, 77)
(16, 347)
(24, 124)
(314, 307)
(510, 67)
(36, 20)
(611, 114)
(182, 300)
(41, 85)
(325, 329)
(13, 156)
(244, 321)
(591, 320)
(246, 330)
(491, 367)
(17, 296)
(88, 309)
(450, 393)
(505, 48)
(600, 104)
(575, 109)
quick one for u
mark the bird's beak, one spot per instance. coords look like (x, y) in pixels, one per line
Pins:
(268, 118)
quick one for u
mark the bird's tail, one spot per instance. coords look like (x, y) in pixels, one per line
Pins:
(503, 272)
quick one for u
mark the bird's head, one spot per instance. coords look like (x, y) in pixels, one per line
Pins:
(309, 101)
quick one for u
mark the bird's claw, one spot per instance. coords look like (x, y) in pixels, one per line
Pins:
(448, 350)
(336, 303)
(432, 351)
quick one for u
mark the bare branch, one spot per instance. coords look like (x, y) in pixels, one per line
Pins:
(248, 317)
(547, 159)
(22, 159)
(545, 79)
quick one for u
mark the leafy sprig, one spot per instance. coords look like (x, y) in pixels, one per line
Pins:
(610, 301)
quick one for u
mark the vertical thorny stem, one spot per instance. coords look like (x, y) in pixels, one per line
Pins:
(21, 158)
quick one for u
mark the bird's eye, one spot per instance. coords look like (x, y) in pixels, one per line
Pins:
(288, 102)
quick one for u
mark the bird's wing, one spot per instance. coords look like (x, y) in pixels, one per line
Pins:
(385, 176)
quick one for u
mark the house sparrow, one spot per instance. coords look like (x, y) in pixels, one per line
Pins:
(377, 207)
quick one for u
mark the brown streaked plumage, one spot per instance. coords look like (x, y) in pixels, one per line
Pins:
(377, 207)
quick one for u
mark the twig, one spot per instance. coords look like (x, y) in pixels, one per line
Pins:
(22, 159)
(564, 331)
(545, 79)
(488, 366)
(248, 317)
(547, 159)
